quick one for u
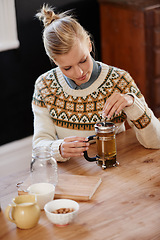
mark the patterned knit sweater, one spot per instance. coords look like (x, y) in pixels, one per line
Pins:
(60, 111)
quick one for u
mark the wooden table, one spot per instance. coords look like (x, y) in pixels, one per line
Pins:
(126, 206)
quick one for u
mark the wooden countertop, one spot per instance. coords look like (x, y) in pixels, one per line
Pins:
(126, 205)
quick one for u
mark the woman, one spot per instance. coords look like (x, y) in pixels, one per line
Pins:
(69, 99)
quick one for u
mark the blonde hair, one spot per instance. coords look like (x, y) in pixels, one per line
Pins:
(60, 31)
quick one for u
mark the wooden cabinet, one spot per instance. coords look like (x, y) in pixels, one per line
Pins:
(130, 39)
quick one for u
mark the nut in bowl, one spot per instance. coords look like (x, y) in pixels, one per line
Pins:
(61, 212)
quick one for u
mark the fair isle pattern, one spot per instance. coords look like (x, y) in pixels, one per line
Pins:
(142, 122)
(81, 113)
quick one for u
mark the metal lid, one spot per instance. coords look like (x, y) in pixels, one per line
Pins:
(105, 127)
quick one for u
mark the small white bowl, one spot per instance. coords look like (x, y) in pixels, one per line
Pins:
(62, 219)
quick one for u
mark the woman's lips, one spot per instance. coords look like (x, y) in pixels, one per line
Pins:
(82, 78)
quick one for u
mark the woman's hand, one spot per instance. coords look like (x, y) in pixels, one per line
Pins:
(73, 146)
(115, 103)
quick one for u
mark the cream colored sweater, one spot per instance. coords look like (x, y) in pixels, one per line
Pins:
(60, 111)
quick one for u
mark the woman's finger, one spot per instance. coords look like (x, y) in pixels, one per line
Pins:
(116, 103)
(74, 138)
(72, 147)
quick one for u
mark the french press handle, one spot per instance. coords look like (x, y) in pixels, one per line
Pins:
(93, 159)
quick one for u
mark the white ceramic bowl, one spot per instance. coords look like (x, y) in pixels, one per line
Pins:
(64, 218)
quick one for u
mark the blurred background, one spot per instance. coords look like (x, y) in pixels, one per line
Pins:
(126, 35)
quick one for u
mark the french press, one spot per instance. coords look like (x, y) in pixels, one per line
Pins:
(106, 145)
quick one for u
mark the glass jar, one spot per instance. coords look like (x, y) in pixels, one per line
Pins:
(43, 166)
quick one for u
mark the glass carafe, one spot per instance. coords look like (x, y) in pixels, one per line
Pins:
(43, 166)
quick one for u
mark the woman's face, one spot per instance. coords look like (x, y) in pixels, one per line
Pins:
(77, 64)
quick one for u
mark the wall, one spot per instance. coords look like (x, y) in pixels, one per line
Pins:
(20, 68)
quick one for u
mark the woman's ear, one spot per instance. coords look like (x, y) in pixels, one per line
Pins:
(90, 45)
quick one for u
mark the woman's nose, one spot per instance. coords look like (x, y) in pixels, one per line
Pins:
(78, 72)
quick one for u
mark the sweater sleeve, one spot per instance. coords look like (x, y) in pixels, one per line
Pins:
(144, 123)
(45, 132)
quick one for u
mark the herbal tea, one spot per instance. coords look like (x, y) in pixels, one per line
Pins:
(106, 145)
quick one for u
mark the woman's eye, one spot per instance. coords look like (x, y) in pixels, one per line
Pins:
(84, 60)
(66, 69)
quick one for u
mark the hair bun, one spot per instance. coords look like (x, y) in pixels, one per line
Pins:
(47, 15)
